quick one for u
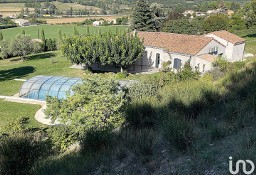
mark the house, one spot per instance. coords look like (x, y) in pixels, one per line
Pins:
(200, 14)
(188, 12)
(97, 23)
(200, 51)
(234, 45)
(22, 22)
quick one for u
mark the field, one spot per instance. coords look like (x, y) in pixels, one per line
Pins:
(64, 6)
(79, 19)
(51, 31)
(8, 9)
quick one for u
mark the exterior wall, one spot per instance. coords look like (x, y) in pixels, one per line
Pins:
(238, 52)
(149, 58)
(204, 65)
(232, 52)
(182, 58)
(212, 44)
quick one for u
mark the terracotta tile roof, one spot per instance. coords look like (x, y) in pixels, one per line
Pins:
(177, 43)
(230, 37)
(208, 57)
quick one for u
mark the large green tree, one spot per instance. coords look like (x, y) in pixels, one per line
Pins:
(121, 49)
(215, 23)
(21, 46)
(143, 17)
(250, 13)
(96, 104)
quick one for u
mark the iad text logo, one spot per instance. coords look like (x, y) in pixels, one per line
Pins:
(243, 163)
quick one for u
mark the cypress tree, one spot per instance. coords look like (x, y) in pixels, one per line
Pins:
(75, 31)
(88, 30)
(1, 36)
(60, 35)
(142, 17)
(43, 39)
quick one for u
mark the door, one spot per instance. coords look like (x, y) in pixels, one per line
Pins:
(157, 60)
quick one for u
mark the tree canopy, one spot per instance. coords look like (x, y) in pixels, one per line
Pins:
(121, 49)
(96, 104)
(142, 17)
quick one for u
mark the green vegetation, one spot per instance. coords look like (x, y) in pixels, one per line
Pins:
(49, 63)
(51, 31)
(120, 49)
(142, 17)
(166, 123)
(97, 105)
(9, 115)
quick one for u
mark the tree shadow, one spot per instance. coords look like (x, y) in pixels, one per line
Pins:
(37, 56)
(41, 56)
(15, 73)
(250, 35)
(241, 86)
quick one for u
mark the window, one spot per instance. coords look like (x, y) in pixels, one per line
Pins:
(177, 63)
(157, 60)
(198, 66)
(203, 67)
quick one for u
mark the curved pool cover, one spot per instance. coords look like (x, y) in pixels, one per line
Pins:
(39, 87)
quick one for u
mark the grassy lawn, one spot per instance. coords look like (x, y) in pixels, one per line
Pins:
(51, 63)
(51, 31)
(250, 36)
(10, 111)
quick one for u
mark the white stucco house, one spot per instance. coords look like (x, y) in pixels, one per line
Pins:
(97, 23)
(22, 22)
(200, 51)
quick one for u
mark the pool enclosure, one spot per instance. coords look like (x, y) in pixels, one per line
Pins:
(39, 87)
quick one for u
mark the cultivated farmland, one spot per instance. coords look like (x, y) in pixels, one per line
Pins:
(79, 19)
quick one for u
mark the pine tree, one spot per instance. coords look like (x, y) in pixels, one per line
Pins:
(1, 37)
(142, 17)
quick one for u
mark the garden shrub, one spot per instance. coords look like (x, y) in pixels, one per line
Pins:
(121, 75)
(20, 152)
(141, 114)
(62, 137)
(96, 140)
(166, 66)
(95, 105)
(139, 141)
(178, 131)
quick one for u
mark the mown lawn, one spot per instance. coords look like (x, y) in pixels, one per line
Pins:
(10, 111)
(51, 31)
(50, 63)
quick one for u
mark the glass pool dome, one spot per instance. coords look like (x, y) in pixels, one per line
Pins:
(39, 87)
